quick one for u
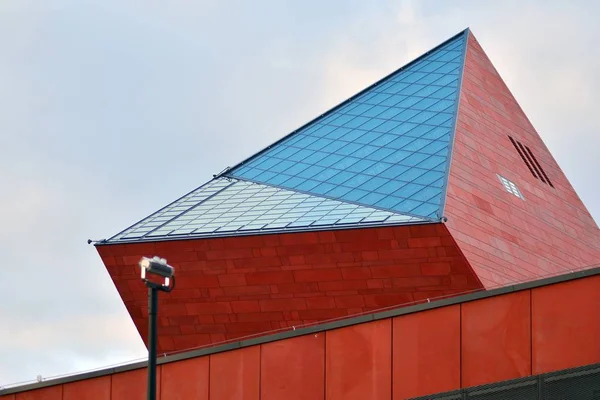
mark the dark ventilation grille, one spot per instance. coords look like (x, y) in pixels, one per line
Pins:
(532, 163)
(581, 383)
(539, 166)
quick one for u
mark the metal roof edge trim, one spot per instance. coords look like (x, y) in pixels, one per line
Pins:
(442, 209)
(275, 231)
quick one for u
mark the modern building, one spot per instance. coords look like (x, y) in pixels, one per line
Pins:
(418, 238)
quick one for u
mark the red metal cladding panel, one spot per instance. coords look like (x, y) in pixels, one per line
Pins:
(89, 389)
(132, 385)
(49, 393)
(496, 339)
(426, 352)
(359, 362)
(409, 355)
(507, 239)
(187, 379)
(235, 375)
(228, 288)
(293, 369)
(566, 325)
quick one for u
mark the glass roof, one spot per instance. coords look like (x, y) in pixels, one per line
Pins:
(225, 206)
(388, 147)
(379, 158)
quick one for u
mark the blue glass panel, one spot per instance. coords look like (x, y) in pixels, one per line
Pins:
(334, 147)
(326, 174)
(265, 176)
(396, 134)
(353, 135)
(349, 149)
(355, 194)
(279, 179)
(388, 188)
(361, 166)
(268, 163)
(293, 182)
(357, 180)
(382, 140)
(380, 154)
(364, 138)
(307, 185)
(317, 143)
(360, 109)
(434, 147)
(372, 198)
(364, 151)
(338, 191)
(285, 152)
(372, 123)
(300, 155)
(315, 157)
(386, 126)
(425, 194)
(329, 160)
(341, 177)
(311, 171)
(282, 166)
(341, 120)
(394, 171)
(388, 202)
(414, 158)
(426, 209)
(406, 115)
(323, 188)
(392, 100)
(356, 122)
(296, 168)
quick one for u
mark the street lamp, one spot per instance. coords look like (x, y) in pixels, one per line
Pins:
(154, 267)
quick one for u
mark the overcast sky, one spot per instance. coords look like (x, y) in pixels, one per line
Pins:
(111, 109)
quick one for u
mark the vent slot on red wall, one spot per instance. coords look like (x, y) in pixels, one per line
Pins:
(532, 163)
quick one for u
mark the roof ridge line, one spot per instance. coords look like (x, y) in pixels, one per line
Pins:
(442, 209)
(425, 219)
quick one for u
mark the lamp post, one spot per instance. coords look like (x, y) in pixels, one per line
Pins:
(156, 267)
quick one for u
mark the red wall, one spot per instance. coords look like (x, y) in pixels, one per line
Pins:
(504, 238)
(509, 336)
(237, 286)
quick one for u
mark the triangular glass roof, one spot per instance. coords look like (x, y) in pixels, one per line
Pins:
(379, 158)
(226, 206)
(388, 147)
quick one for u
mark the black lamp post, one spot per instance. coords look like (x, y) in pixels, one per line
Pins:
(158, 267)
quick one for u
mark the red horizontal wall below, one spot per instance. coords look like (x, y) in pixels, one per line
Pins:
(233, 287)
(483, 341)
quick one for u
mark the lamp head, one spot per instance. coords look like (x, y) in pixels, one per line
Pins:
(156, 266)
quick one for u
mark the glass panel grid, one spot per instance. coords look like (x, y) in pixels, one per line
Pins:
(242, 206)
(372, 149)
(188, 201)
